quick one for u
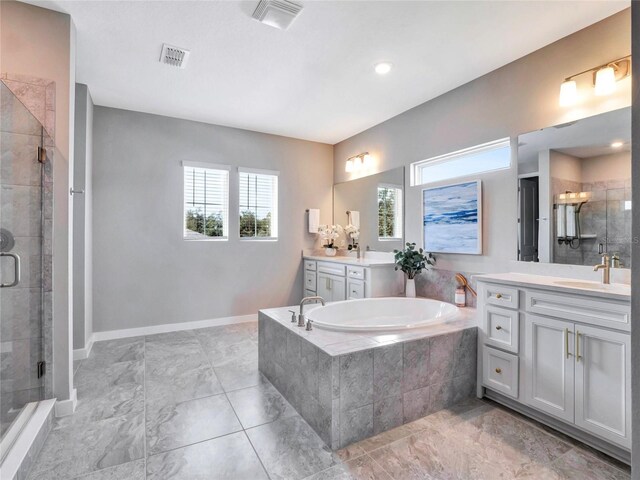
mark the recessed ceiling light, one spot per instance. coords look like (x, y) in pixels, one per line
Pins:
(617, 144)
(383, 68)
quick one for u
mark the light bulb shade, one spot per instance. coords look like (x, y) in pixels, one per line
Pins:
(368, 161)
(357, 163)
(348, 167)
(568, 93)
(605, 81)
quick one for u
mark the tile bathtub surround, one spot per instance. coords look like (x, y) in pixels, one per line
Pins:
(349, 396)
(106, 441)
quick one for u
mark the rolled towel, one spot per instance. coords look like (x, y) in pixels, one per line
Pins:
(314, 220)
(561, 221)
(355, 218)
(571, 221)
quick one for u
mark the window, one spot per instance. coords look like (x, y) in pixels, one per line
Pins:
(470, 161)
(258, 204)
(389, 212)
(206, 209)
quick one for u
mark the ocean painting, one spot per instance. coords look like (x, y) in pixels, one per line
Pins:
(452, 218)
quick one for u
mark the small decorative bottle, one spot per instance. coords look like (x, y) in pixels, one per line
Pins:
(460, 297)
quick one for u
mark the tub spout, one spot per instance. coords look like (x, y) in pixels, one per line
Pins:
(305, 300)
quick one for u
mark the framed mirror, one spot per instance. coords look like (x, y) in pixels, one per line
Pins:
(574, 191)
(375, 205)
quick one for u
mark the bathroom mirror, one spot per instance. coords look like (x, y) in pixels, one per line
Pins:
(376, 204)
(574, 191)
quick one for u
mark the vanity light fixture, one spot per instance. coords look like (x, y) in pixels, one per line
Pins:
(358, 162)
(604, 80)
(349, 166)
(383, 68)
(617, 144)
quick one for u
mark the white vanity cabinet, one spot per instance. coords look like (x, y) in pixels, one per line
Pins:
(564, 353)
(349, 279)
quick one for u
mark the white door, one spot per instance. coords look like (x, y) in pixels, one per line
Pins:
(331, 287)
(548, 366)
(603, 383)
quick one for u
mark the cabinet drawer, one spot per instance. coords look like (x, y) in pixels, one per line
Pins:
(501, 327)
(356, 272)
(310, 265)
(355, 289)
(500, 295)
(310, 280)
(332, 268)
(310, 293)
(581, 309)
(500, 371)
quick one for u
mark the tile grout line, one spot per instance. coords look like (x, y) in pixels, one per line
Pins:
(231, 405)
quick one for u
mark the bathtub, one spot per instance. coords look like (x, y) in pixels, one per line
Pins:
(381, 314)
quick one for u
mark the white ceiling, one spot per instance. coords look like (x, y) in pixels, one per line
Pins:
(315, 80)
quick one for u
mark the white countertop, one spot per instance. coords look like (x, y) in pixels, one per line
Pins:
(362, 262)
(617, 291)
(340, 343)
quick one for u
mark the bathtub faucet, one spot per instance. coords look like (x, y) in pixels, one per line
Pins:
(301, 322)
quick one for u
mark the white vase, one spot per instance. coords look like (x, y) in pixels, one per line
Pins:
(410, 289)
(330, 252)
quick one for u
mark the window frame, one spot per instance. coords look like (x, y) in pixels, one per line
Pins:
(416, 167)
(399, 222)
(275, 204)
(225, 225)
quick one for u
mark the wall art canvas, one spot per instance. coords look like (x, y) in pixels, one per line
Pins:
(452, 218)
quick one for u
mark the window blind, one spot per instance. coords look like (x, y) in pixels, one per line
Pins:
(258, 205)
(206, 210)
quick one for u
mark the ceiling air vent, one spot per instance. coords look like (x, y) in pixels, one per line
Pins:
(174, 56)
(277, 13)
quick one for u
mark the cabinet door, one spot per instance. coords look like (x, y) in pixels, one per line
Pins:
(338, 288)
(331, 287)
(603, 383)
(355, 289)
(548, 366)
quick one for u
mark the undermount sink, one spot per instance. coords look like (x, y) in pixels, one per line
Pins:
(589, 285)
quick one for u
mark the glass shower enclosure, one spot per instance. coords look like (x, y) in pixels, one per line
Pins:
(26, 155)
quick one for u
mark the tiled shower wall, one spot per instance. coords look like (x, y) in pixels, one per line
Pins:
(605, 215)
(22, 343)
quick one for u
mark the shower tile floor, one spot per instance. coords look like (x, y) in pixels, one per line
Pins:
(192, 405)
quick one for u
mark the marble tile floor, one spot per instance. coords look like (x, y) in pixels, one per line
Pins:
(192, 405)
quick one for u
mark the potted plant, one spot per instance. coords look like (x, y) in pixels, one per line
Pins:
(329, 234)
(412, 262)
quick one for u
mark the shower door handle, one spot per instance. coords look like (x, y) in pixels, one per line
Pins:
(16, 269)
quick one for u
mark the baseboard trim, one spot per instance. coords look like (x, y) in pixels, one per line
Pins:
(82, 353)
(171, 327)
(67, 407)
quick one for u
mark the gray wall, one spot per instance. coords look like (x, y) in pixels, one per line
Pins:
(82, 219)
(519, 97)
(144, 273)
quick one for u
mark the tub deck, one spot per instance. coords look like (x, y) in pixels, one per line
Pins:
(349, 386)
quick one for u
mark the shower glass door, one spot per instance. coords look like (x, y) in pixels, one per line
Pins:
(22, 221)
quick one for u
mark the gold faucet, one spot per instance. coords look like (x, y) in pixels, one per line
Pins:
(605, 266)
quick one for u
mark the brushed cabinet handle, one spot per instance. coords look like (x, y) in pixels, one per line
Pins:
(566, 342)
(498, 370)
(498, 295)
(578, 357)
(498, 327)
